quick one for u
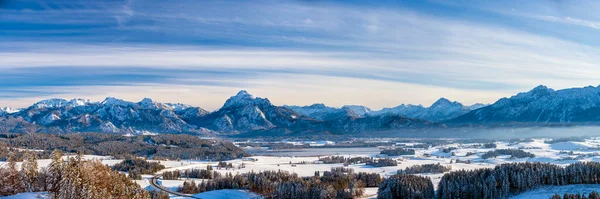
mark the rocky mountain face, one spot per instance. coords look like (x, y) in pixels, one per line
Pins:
(244, 112)
(541, 105)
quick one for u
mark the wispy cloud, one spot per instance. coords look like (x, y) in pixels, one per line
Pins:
(400, 53)
(572, 21)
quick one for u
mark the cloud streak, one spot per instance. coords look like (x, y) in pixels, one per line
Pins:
(397, 51)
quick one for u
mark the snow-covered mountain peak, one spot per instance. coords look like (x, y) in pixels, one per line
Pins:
(111, 101)
(243, 98)
(78, 102)
(443, 102)
(8, 110)
(318, 105)
(50, 103)
(537, 92)
(244, 93)
(358, 109)
(148, 103)
(177, 106)
(317, 110)
(540, 88)
(476, 106)
(57, 102)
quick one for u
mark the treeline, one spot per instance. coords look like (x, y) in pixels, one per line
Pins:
(448, 149)
(592, 195)
(207, 173)
(425, 168)
(70, 179)
(489, 145)
(565, 139)
(406, 187)
(500, 182)
(138, 166)
(514, 153)
(337, 183)
(345, 160)
(369, 179)
(384, 162)
(19, 154)
(163, 146)
(398, 152)
(507, 179)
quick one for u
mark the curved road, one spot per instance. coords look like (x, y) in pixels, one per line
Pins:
(154, 183)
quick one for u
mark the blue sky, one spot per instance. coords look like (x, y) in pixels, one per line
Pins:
(374, 53)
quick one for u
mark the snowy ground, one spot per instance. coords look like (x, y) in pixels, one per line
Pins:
(30, 195)
(553, 153)
(562, 153)
(222, 194)
(549, 191)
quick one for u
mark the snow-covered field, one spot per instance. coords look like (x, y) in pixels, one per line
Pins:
(222, 194)
(558, 153)
(549, 191)
(561, 153)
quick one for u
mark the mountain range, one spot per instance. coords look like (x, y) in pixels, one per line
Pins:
(541, 105)
(245, 114)
(442, 109)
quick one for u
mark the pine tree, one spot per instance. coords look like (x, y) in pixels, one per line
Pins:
(556, 196)
(10, 182)
(29, 171)
(54, 173)
(594, 195)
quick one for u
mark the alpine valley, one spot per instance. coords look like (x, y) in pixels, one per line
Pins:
(244, 114)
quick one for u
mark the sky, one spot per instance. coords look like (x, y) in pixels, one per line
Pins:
(373, 53)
